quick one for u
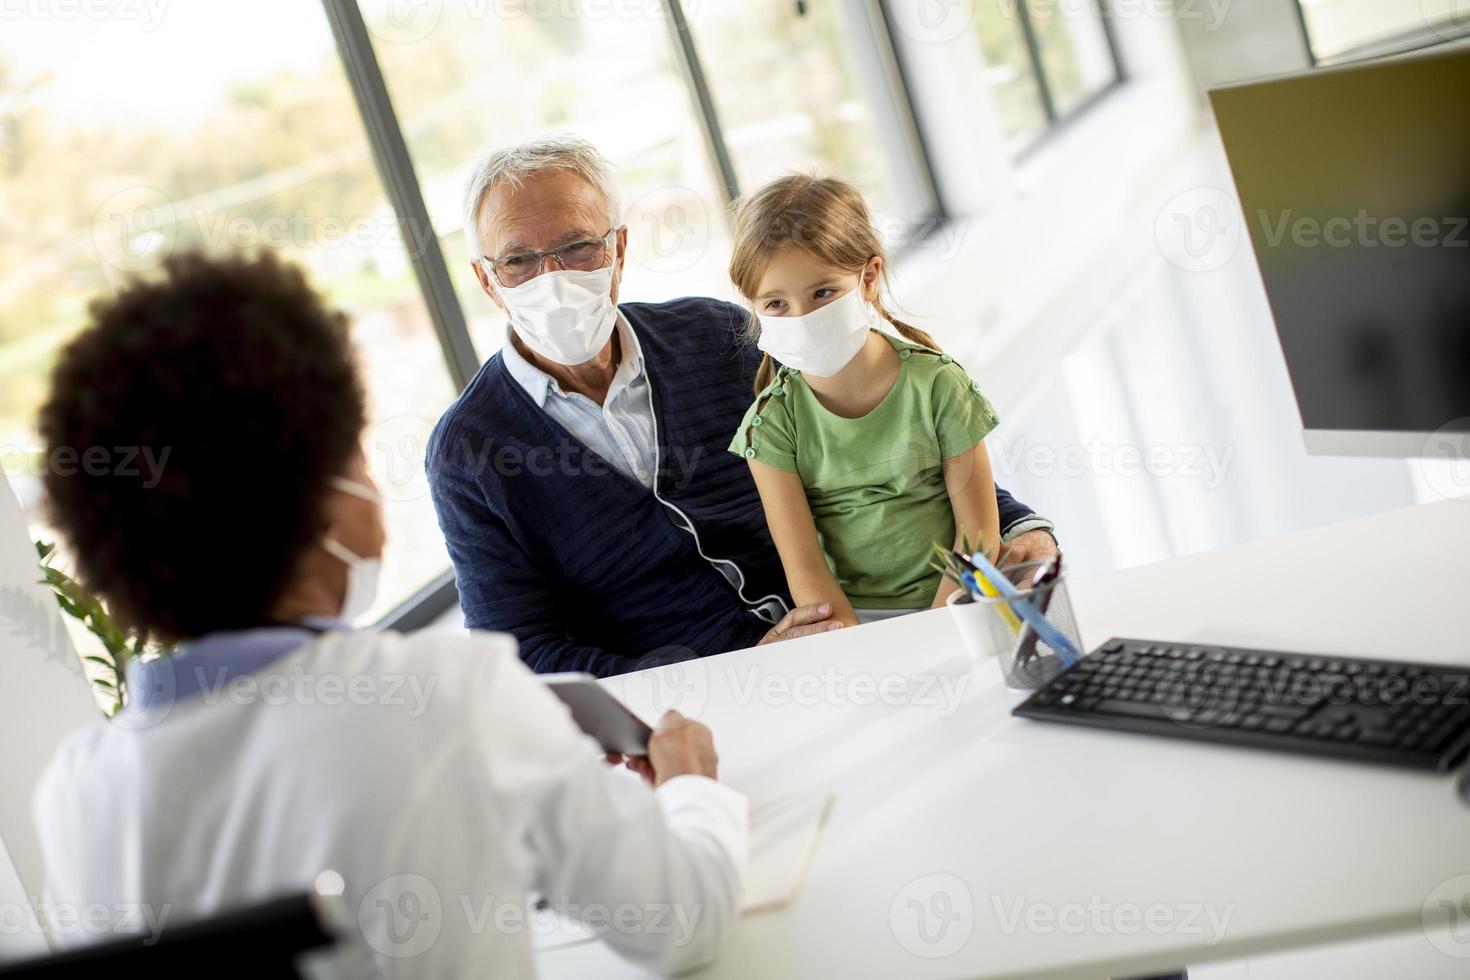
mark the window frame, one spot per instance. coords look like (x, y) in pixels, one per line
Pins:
(896, 115)
(1055, 119)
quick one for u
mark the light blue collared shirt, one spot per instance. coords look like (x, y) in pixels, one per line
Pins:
(211, 662)
(621, 429)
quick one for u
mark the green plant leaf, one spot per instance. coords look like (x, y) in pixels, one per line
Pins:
(76, 602)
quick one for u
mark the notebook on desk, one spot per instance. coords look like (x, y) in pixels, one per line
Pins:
(783, 835)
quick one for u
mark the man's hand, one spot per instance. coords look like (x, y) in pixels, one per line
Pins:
(802, 621)
(679, 746)
(1037, 545)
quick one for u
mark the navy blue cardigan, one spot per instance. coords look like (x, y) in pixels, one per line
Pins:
(578, 561)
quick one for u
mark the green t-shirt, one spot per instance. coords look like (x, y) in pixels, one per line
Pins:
(874, 484)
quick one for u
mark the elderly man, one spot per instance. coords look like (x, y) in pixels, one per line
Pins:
(581, 479)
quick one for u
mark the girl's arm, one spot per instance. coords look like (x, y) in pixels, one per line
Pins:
(971, 491)
(790, 519)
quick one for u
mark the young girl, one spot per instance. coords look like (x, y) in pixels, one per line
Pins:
(866, 448)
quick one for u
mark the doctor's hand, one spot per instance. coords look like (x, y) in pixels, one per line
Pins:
(1035, 545)
(679, 746)
(802, 621)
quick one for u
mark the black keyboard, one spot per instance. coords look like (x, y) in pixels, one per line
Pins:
(1413, 715)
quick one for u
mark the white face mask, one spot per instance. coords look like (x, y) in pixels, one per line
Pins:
(565, 315)
(362, 573)
(820, 342)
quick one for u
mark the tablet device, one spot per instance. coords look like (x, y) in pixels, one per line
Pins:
(599, 714)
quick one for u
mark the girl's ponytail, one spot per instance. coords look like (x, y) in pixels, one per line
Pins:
(916, 335)
(907, 331)
(765, 374)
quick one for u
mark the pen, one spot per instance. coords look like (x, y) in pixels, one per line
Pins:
(1045, 576)
(1065, 649)
(981, 586)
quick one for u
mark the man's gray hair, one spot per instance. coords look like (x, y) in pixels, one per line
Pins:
(513, 164)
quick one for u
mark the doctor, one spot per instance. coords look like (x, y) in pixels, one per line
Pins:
(433, 774)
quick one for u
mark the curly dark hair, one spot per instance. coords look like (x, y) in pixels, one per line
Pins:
(217, 403)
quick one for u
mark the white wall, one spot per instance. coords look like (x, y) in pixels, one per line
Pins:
(1027, 233)
(1060, 286)
(43, 697)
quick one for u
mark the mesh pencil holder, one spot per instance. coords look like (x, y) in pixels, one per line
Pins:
(993, 627)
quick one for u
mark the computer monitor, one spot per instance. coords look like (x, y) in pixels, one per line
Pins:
(1355, 188)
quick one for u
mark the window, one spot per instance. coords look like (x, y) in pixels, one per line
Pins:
(1076, 58)
(128, 134)
(481, 77)
(225, 125)
(1045, 59)
(1340, 27)
(794, 89)
(1010, 71)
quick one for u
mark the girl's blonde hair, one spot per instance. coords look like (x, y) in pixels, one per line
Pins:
(820, 215)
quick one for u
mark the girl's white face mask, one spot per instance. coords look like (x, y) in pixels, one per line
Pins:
(820, 342)
(362, 573)
(565, 315)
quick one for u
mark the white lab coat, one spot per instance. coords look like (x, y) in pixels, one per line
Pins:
(434, 773)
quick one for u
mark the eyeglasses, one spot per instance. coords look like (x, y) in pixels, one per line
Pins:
(521, 267)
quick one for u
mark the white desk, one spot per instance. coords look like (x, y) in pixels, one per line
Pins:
(976, 815)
